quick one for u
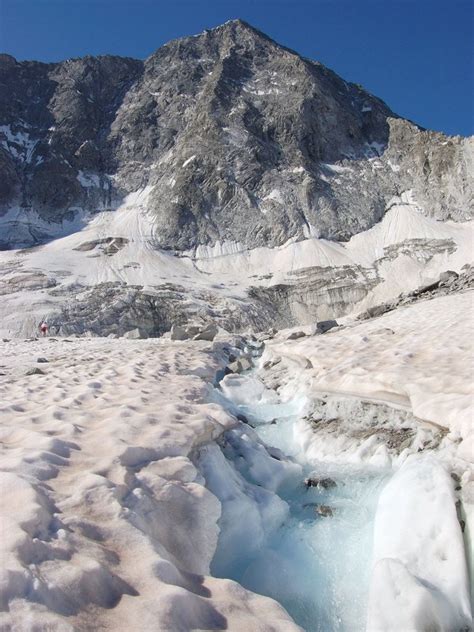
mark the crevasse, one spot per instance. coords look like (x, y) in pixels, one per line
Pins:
(272, 538)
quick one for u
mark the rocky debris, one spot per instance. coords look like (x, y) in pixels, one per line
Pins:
(448, 277)
(269, 364)
(116, 308)
(209, 332)
(320, 483)
(5, 339)
(194, 332)
(295, 335)
(240, 365)
(267, 335)
(325, 325)
(321, 510)
(349, 421)
(325, 511)
(42, 360)
(111, 245)
(449, 282)
(26, 281)
(35, 371)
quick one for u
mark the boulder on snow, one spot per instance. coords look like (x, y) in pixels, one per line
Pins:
(325, 325)
(135, 334)
(295, 335)
(178, 333)
(195, 332)
(446, 278)
(271, 363)
(320, 483)
(245, 364)
(35, 371)
(42, 360)
(324, 510)
(208, 333)
(242, 364)
(267, 335)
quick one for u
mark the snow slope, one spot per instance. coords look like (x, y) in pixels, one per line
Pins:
(403, 251)
(106, 522)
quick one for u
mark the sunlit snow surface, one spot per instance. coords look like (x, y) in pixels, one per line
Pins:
(317, 567)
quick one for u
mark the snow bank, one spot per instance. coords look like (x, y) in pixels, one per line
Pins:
(417, 358)
(419, 579)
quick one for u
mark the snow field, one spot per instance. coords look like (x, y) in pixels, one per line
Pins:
(106, 520)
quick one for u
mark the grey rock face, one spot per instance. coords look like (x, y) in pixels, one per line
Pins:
(54, 120)
(238, 138)
(315, 294)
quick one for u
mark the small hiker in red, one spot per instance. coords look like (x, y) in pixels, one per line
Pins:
(43, 328)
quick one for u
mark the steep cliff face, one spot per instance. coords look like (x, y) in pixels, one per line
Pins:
(241, 139)
(217, 145)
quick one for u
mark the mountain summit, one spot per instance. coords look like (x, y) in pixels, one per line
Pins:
(239, 138)
(219, 144)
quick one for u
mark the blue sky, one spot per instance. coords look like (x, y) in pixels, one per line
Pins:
(417, 55)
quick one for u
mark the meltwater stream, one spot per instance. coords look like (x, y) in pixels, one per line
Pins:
(317, 567)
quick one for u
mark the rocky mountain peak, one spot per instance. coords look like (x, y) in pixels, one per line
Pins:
(234, 137)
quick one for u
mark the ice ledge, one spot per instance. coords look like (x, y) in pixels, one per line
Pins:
(419, 578)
